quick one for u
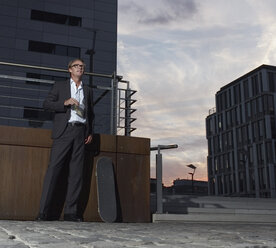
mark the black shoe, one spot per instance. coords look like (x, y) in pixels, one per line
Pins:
(41, 217)
(45, 217)
(72, 217)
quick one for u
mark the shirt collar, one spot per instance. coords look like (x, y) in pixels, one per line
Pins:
(72, 81)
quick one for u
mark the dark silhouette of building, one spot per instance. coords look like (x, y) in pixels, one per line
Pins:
(241, 136)
(182, 187)
(185, 186)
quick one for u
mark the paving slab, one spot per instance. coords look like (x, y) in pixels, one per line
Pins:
(59, 234)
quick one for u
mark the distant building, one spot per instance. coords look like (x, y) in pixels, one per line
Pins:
(182, 187)
(185, 186)
(50, 33)
(241, 134)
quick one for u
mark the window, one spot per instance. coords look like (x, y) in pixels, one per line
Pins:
(261, 128)
(237, 94)
(244, 134)
(261, 82)
(269, 154)
(248, 130)
(41, 47)
(234, 115)
(216, 164)
(220, 123)
(74, 52)
(255, 131)
(239, 136)
(273, 127)
(210, 150)
(245, 89)
(229, 122)
(255, 85)
(250, 156)
(210, 167)
(216, 144)
(230, 139)
(226, 162)
(55, 18)
(208, 126)
(259, 105)
(271, 81)
(253, 107)
(224, 100)
(224, 141)
(229, 98)
(219, 102)
(44, 47)
(268, 104)
(247, 110)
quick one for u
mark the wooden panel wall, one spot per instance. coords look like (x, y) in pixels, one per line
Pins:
(24, 154)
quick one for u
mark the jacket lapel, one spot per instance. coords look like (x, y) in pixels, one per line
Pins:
(67, 95)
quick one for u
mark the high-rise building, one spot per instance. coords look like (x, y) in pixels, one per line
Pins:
(49, 33)
(241, 134)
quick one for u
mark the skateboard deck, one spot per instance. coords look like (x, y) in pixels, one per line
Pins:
(107, 205)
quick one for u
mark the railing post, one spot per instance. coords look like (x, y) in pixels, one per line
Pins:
(127, 111)
(159, 190)
(114, 92)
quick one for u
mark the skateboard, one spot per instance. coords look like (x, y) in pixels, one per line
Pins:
(107, 202)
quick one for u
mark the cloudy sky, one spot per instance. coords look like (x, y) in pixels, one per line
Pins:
(177, 54)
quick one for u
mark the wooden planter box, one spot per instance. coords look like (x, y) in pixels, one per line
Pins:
(24, 155)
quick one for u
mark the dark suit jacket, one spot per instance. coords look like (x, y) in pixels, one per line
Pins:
(60, 92)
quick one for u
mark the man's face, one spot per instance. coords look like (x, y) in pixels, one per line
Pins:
(77, 68)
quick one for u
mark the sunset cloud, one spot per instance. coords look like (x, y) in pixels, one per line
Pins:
(177, 55)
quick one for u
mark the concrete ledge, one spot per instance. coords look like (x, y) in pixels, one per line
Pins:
(244, 218)
(212, 217)
(231, 211)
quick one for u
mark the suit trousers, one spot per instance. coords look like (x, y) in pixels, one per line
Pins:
(67, 150)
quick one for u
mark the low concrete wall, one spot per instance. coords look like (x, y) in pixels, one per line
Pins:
(24, 155)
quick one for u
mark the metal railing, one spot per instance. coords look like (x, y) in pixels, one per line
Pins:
(116, 88)
(212, 110)
(125, 109)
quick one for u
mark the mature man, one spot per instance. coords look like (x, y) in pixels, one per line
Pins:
(72, 102)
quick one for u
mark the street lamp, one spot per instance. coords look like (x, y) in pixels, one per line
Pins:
(192, 174)
(159, 188)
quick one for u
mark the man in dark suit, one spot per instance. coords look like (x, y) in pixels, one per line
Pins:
(72, 102)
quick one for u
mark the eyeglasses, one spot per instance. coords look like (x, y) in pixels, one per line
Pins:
(77, 65)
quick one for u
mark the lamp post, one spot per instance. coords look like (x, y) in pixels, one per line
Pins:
(159, 188)
(192, 173)
(91, 52)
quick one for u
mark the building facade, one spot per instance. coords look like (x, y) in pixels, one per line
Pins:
(241, 136)
(50, 33)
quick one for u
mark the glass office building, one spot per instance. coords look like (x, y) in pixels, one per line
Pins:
(49, 33)
(241, 136)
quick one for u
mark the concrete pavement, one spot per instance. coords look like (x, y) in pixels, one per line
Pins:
(59, 234)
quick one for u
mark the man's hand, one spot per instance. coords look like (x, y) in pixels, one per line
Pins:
(71, 101)
(88, 140)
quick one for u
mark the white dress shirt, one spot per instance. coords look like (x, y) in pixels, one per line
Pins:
(77, 112)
